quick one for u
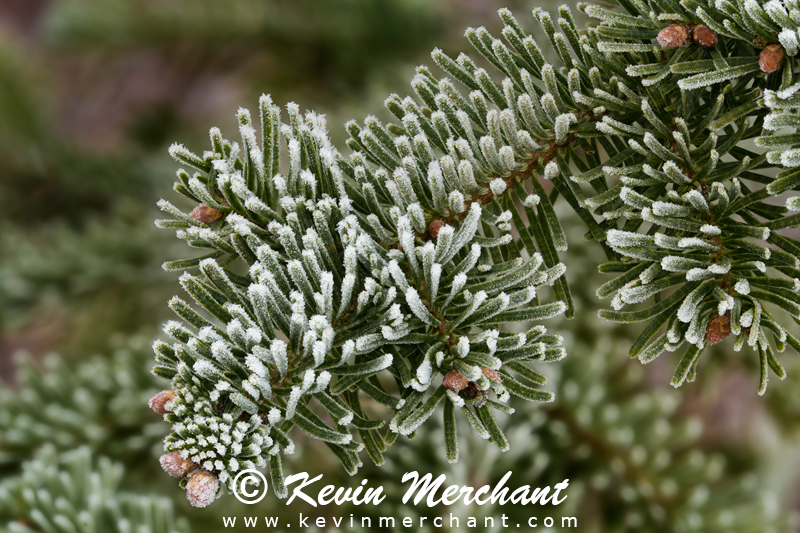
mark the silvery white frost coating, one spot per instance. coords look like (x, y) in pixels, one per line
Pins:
(343, 283)
(690, 221)
(324, 272)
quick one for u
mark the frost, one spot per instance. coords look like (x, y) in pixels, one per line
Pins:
(722, 268)
(256, 366)
(788, 39)
(424, 371)
(562, 122)
(551, 170)
(688, 308)
(457, 400)
(742, 287)
(274, 416)
(456, 202)
(342, 282)
(627, 239)
(697, 274)
(465, 172)
(508, 159)
(498, 186)
(531, 201)
(747, 319)
(791, 158)
(462, 347)
(696, 242)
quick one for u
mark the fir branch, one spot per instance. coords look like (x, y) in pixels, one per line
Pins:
(81, 494)
(404, 258)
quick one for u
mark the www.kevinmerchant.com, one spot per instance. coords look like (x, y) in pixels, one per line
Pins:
(451, 523)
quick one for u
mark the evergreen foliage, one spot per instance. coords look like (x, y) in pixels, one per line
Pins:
(88, 100)
(692, 211)
(72, 492)
(632, 462)
(87, 275)
(419, 255)
(642, 463)
(71, 245)
(98, 404)
(339, 283)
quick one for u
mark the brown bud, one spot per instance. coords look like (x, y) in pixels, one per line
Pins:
(175, 465)
(704, 36)
(205, 214)
(435, 227)
(473, 392)
(718, 328)
(454, 381)
(674, 36)
(494, 375)
(158, 403)
(771, 58)
(202, 487)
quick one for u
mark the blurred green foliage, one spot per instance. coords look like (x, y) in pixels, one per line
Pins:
(95, 91)
(327, 47)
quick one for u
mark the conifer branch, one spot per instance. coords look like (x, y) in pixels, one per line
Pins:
(323, 276)
(74, 492)
(97, 404)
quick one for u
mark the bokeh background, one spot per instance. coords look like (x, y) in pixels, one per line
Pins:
(92, 92)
